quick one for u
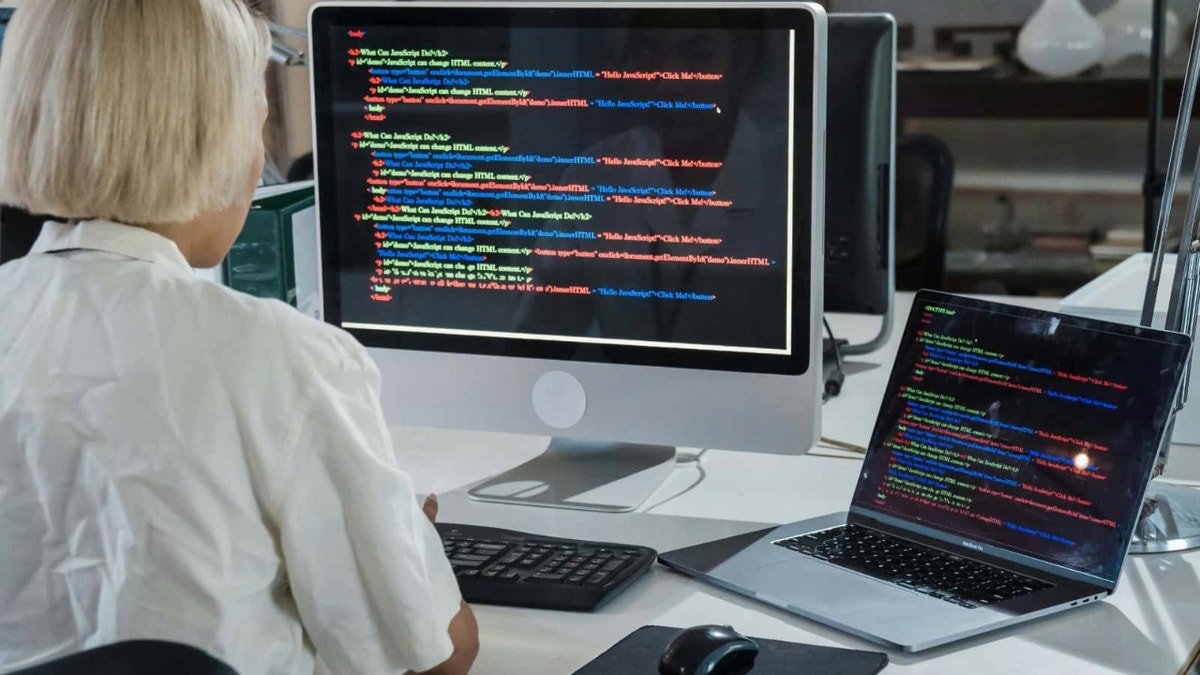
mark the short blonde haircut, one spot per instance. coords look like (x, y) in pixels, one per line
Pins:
(138, 111)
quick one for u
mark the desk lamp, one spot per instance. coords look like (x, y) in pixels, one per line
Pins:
(1171, 514)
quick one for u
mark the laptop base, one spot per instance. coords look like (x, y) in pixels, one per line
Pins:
(877, 611)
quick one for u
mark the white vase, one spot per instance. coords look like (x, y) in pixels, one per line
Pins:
(1060, 39)
(1129, 27)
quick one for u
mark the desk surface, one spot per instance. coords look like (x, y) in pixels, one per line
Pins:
(1148, 626)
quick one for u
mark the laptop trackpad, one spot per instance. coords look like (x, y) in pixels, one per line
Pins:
(820, 587)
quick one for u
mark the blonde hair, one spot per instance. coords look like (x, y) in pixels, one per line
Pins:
(137, 111)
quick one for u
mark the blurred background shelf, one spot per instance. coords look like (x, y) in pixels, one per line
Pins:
(934, 95)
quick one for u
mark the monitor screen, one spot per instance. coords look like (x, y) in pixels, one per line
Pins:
(858, 171)
(612, 185)
(1026, 430)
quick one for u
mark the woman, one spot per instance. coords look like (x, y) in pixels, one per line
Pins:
(179, 461)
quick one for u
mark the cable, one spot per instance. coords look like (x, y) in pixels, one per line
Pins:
(699, 479)
(837, 352)
(832, 381)
(843, 445)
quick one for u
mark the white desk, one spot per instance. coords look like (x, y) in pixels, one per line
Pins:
(1148, 626)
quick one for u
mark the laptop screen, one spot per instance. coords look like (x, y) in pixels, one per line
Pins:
(1025, 430)
(5, 16)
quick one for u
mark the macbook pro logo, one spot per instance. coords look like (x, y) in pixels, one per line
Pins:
(972, 545)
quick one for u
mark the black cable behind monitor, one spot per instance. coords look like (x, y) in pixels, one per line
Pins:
(835, 373)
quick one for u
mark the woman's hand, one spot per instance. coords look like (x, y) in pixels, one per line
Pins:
(430, 507)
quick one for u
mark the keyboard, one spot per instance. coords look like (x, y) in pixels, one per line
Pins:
(504, 567)
(924, 569)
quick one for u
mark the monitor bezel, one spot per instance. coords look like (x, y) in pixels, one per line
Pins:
(861, 510)
(808, 176)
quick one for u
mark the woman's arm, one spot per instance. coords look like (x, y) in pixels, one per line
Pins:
(464, 633)
(365, 565)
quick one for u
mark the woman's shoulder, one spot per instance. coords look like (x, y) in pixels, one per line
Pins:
(274, 330)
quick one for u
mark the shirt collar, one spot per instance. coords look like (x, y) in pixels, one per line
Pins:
(104, 235)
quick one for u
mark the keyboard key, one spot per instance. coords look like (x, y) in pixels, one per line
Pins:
(939, 574)
(502, 567)
(597, 578)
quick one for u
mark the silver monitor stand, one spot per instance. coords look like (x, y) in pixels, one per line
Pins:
(582, 475)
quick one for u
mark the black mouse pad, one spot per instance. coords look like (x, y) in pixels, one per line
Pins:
(639, 652)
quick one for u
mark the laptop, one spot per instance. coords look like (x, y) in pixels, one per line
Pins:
(1002, 483)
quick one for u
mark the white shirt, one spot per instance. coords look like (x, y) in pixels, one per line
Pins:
(179, 461)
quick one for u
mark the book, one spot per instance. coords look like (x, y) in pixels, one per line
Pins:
(275, 256)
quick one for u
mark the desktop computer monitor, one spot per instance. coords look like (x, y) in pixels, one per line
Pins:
(596, 221)
(859, 182)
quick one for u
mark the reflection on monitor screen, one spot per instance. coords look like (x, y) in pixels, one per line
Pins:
(1029, 431)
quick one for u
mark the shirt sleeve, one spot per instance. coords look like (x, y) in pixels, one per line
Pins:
(366, 568)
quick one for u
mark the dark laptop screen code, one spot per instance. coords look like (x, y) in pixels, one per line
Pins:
(1023, 430)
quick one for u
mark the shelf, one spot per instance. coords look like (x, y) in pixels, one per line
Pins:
(922, 94)
(1109, 187)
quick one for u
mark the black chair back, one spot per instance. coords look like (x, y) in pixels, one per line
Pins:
(136, 657)
(924, 184)
(18, 230)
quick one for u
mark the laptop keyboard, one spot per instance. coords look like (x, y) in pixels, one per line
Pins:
(920, 568)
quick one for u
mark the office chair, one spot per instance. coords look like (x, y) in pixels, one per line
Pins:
(924, 184)
(137, 657)
(301, 169)
(18, 230)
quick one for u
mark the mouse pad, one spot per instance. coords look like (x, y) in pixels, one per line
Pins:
(639, 652)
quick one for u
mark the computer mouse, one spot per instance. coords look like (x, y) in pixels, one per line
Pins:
(708, 650)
